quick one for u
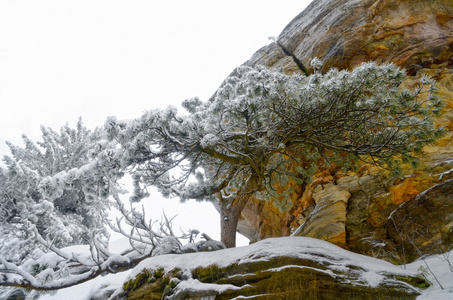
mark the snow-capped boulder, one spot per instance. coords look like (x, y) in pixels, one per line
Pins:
(168, 245)
(210, 245)
(276, 268)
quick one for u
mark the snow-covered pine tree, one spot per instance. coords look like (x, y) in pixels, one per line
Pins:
(41, 188)
(239, 144)
(245, 140)
(58, 192)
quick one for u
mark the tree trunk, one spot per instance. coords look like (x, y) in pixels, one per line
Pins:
(229, 222)
(230, 212)
(229, 218)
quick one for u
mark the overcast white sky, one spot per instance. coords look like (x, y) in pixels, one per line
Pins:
(60, 60)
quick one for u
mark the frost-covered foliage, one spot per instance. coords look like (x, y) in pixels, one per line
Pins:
(262, 123)
(261, 115)
(57, 193)
(42, 188)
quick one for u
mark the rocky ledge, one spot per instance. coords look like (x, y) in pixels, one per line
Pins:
(276, 268)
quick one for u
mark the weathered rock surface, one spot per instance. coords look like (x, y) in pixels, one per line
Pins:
(352, 211)
(280, 268)
(413, 34)
(423, 224)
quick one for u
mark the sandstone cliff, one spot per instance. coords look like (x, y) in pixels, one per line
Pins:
(353, 211)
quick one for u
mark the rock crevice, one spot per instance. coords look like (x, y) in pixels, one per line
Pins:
(296, 60)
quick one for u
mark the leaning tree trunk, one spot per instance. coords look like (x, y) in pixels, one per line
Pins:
(231, 212)
(229, 218)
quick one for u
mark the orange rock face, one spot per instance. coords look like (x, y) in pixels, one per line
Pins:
(416, 35)
(412, 34)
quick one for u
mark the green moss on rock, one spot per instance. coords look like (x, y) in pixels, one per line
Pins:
(282, 268)
(152, 284)
(277, 278)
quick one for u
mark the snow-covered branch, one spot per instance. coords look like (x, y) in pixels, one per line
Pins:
(61, 268)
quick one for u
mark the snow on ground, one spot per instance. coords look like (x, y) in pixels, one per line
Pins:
(442, 267)
(87, 290)
(301, 247)
(292, 246)
(196, 285)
